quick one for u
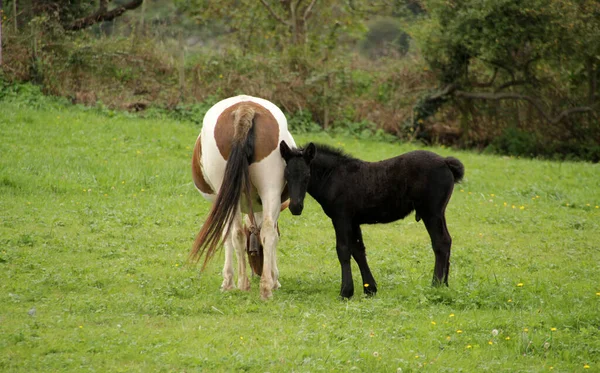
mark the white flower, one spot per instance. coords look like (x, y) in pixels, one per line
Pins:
(495, 332)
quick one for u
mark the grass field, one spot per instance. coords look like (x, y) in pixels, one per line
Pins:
(98, 212)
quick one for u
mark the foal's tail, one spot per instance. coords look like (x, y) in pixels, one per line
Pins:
(236, 181)
(457, 168)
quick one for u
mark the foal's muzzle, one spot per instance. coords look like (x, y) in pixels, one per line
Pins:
(296, 208)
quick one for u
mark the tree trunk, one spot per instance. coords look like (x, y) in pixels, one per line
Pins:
(1, 17)
(14, 14)
(592, 73)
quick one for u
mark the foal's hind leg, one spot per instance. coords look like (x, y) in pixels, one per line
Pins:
(441, 243)
(359, 255)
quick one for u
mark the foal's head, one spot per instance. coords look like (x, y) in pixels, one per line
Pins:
(297, 173)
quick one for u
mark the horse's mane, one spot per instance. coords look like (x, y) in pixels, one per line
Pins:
(331, 152)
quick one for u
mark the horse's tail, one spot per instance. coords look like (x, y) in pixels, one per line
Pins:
(457, 168)
(236, 181)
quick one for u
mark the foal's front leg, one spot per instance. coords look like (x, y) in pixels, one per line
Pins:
(359, 255)
(343, 235)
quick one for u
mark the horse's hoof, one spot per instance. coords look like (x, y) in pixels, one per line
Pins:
(266, 294)
(227, 285)
(244, 285)
(276, 286)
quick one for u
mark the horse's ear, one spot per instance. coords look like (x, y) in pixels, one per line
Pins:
(284, 149)
(309, 153)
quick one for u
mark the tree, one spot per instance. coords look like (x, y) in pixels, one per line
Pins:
(512, 50)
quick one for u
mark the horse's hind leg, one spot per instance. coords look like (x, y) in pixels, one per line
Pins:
(359, 255)
(234, 241)
(269, 239)
(441, 243)
(239, 243)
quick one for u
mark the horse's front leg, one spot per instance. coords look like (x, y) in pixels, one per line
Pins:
(343, 235)
(359, 255)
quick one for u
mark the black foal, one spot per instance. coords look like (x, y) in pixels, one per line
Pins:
(354, 192)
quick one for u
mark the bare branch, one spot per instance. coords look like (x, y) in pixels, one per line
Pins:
(512, 83)
(102, 15)
(531, 100)
(307, 12)
(273, 14)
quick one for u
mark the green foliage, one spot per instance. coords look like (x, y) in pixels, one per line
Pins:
(385, 37)
(97, 215)
(302, 122)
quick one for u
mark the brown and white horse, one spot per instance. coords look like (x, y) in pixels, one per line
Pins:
(236, 164)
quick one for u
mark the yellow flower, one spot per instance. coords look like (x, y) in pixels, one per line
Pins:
(522, 208)
(505, 204)
(366, 285)
(416, 356)
(490, 342)
(469, 346)
(452, 315)
(433, 323)
(509, 301)
(525, 330)
(80, 326)
(520, 284)
(459, 331)
(448, 338)
(507, 338)
(586, 366)
(552, 329)
(598, 293)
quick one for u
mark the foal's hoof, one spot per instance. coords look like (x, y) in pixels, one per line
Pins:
(437, 283)
(347, 293)
(370, 289)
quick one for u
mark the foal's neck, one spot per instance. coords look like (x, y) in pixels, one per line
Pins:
(322, 168)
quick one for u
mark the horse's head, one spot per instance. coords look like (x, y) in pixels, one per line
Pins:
(297, 173)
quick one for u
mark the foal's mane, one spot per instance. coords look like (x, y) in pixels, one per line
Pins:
(332, 153)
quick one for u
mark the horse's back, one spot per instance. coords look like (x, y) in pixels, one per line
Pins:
(269, 129)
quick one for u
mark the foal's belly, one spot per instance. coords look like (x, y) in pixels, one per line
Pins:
(383, 214)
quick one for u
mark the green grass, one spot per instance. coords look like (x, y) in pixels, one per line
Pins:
(98, 212)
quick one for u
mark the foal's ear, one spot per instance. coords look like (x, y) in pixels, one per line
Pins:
(309, 153)
(284, 149)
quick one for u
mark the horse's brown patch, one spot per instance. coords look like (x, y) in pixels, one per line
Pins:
(266, 129)
(197, 175)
